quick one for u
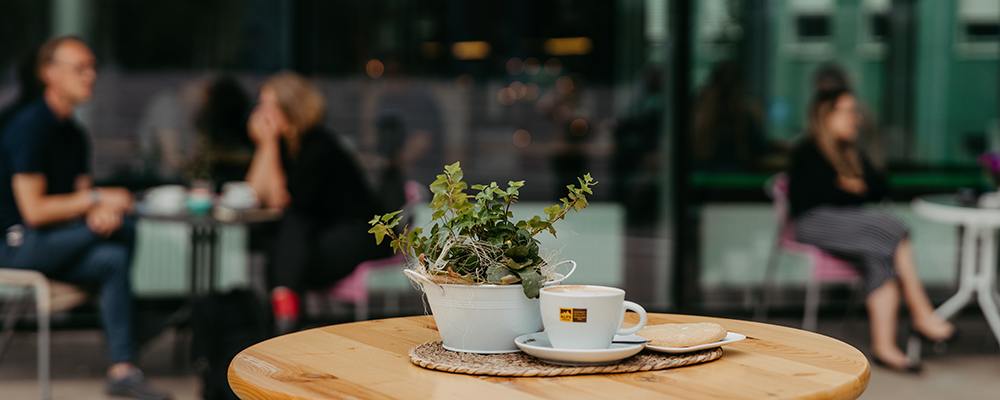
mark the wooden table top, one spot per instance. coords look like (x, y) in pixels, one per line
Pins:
(369, 360)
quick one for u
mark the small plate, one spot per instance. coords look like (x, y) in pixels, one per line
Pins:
(537, 344)
(730, 338)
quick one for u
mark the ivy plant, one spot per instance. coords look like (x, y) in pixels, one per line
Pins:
(473, 237)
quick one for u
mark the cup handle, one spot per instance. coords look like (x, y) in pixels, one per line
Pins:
(628, 305)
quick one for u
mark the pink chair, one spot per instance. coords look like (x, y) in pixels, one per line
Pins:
(353, 288)
(823, 266)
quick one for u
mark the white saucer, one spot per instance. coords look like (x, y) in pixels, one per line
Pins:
(730, 338)
(537, 344)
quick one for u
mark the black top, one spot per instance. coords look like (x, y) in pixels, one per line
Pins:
(325, 182)
(36, 141)
(812, 181)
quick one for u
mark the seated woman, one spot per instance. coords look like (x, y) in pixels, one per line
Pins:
(828, 181)
(300, 166)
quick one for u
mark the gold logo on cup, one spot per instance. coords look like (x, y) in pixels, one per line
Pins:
(573, 314)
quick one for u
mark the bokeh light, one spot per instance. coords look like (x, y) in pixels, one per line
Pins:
(374, 68)
(531, 92)
(578, 127)
(553, 66)
(561, 114)
(564, 85)
(507, 96)
(518, 89)
(470, 50)
(522, 138)
(532, 66)
(515, 66)
(573, 46)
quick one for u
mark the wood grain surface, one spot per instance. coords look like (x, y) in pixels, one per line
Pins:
(368, 360)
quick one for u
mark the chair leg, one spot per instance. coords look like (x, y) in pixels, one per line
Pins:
(43, 306)
(812, 304)
(12, 311)
(857, 297)
(391, 306)
(44, 356)
(760, 311)
(361, 310)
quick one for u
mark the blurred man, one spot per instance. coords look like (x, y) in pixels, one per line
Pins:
(55, 220)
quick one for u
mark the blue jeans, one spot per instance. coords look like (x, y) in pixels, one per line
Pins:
(74, 254)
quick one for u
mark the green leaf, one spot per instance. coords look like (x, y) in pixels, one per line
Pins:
(496, 273)
(532, 282)
(390, 215)
(437, 214)
(414, 235)
(439, 186)
(379, 232)
(517, 252)
(453, 169)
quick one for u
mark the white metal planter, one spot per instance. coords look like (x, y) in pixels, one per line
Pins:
(482, 318)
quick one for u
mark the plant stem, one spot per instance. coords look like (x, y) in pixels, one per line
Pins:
(558, 217)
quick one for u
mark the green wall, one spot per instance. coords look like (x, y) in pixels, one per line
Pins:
(956, 89)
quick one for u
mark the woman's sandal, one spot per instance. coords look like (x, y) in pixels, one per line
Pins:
(938, 346)
(909, 369)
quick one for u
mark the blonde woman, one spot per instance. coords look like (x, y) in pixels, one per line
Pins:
(829, 179)
(300, 167)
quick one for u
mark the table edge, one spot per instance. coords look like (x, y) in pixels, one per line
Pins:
(851, 389)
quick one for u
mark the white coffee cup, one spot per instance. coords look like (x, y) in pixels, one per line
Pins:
(586, 316)
(238, 196)
(166, 199)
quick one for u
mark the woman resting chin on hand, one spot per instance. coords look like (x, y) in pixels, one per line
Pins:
(299, 166)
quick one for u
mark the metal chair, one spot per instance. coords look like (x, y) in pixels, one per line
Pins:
(823, 267)
(49, 296)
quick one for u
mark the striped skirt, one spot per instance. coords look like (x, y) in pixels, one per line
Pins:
(864, 237)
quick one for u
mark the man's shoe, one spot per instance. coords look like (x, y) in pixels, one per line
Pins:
(134, 385)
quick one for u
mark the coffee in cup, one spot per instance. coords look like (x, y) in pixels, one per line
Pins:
(586, 316)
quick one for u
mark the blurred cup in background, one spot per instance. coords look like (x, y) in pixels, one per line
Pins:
(238, 196)
(166, 199)
(199, 200)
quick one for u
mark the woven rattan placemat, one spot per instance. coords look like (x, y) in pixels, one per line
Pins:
(433, 356)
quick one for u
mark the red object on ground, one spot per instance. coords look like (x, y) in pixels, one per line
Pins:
(285, 304)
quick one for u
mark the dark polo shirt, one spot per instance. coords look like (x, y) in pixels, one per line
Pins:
(36, 141)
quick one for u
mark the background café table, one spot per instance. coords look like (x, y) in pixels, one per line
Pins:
(975, 278)
(369, 360)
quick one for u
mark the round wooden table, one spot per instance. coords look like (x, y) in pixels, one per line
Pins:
(369, 360)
